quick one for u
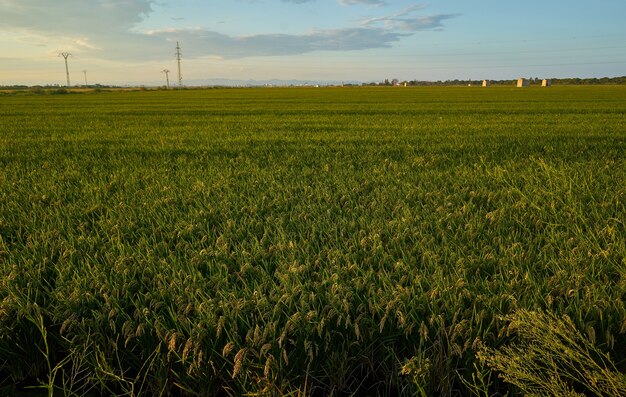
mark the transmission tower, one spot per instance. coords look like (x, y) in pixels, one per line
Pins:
(66, 55)
(85, 73)
(178, 57)
(167, 77)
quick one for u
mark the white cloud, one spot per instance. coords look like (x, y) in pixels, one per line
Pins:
(107, 29)
(73, 16)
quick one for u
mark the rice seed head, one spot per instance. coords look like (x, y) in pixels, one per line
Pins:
(187, 349)
(268, 366)
(265, 348)
(423, 331)
(171, 346)
(220, 326)
(228, 348)
(139, 331)
(381, 326)
(241, 354)
(256, 339)
(285, 357)
(200, 357)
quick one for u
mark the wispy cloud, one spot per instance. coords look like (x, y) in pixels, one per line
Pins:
(208, 42)
(404, 20)
(404, 12)
(343, 2)
(365, 2)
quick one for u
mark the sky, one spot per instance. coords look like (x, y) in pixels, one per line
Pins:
(130, 42)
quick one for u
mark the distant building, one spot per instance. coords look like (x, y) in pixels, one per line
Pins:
(486, 83)
(545, 83)
(523, 82)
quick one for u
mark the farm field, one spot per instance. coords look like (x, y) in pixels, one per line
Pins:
(312, 241)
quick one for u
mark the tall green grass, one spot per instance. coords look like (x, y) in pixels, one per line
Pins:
(303, 241)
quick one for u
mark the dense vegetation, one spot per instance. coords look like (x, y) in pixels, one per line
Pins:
(283, 241)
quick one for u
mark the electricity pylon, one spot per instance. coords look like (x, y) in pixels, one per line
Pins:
(178, 58)
(66, 55)
(167, 77)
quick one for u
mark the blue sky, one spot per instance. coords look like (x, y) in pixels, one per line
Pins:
(131, 41)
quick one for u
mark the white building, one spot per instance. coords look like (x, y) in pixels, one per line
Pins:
(522, 82)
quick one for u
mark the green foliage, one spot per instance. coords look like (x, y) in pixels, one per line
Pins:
(553, 358)
(302, 241)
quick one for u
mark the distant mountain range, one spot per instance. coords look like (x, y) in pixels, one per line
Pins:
(254, 83)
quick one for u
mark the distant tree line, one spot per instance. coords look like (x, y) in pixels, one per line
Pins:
(51, 86)
(533, 80)
(387, 82)
(603, 80)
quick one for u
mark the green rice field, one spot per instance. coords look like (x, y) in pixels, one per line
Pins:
(314, 241)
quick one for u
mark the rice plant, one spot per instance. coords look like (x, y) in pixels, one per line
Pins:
(344, 241)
